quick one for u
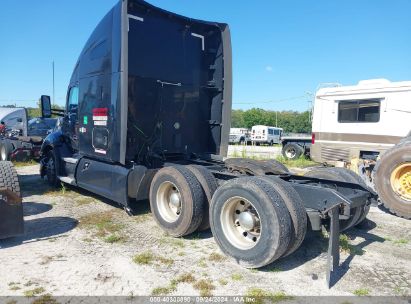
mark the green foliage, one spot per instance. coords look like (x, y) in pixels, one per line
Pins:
(290, 121)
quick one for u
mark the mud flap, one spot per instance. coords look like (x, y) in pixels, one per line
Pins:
(333, 259)
(11, 215)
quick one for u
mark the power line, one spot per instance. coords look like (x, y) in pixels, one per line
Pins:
(273, 101)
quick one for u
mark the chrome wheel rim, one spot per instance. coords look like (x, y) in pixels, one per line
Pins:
(3, 153)
(169, 202)
(290, 153)
(241, 223)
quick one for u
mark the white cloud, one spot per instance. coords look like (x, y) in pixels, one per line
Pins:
(269, 68)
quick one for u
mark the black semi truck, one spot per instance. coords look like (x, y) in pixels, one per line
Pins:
(148, 117)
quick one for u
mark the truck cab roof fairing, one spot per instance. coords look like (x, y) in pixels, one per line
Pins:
(103, 69)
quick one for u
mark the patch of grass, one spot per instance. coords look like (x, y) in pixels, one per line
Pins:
(161, 291)
(45, 299)
(401, 242)
(115, 238)
(205, 287)
(24, 164)
(165, 261)
(181, 253)
(202, 263)
(301, 162)
(176, 243)
(30, 283)
(399, 291)
(223, 282)
(347, 247)
(142, 218)
(34, 292)
(148, 258)
(84, 200)
(145, 258)
(216, 257)
(361, 292)
(236, 277)
(258, 295)
(14, 287)
(102, 223)
(184, 278)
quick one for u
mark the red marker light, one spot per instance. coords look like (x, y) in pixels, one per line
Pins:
(313, 138)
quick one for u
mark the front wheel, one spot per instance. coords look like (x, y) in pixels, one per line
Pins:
(51, 170)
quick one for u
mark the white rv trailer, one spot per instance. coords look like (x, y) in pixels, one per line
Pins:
(360, 121)
(266, 135)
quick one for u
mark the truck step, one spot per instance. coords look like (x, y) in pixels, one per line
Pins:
(67, 180)
(70, 160)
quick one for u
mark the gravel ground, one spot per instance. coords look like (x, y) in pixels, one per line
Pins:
(78, 244)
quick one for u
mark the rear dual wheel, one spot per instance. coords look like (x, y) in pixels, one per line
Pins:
(179, 198)
(257, 220)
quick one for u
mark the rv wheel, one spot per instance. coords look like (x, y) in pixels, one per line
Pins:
(209, 185)
(292, 151)
(177, 200)
(392, 179)
(250, 221)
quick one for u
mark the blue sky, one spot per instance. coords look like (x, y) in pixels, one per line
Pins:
(281, 49)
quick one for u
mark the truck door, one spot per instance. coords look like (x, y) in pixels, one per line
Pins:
(71, 119)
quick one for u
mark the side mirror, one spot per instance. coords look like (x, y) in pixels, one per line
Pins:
(45, 105)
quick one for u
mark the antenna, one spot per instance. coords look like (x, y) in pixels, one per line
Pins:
(54, 92)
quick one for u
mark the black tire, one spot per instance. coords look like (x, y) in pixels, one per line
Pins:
(51, 170)
(9, 178)
(390, 161)
(192, 200)
(276, 166)
(296, 209)
(209, 185)
(275, 230)
(338, 175)
(292, 151)
(5, 150)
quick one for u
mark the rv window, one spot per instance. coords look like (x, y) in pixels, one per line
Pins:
(359, 111)
(276, 132)
(270, 131)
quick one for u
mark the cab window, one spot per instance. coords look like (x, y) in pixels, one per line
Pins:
(73, 99)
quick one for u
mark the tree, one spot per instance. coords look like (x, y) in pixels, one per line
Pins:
(290, 121)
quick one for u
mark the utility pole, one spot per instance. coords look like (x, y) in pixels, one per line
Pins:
(276, 119)
(54, 92)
